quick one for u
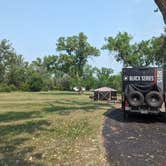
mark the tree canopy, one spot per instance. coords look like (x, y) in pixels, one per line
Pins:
(70, 66)
(76, 51)
(143, 53)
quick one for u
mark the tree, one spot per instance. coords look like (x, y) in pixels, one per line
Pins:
(159, 50)
(16, 71)
(6, 51)
(78, 48)
(162, 6)
(43, 68)
(115, 81)
(103, 75)
(51, 63)
(36, 82)
(89, 80)
(66, 64)
(136, 54)
(12, 66)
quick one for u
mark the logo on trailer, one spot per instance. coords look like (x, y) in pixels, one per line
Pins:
(138, 78)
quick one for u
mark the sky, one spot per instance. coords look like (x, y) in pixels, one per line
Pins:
(33, 26)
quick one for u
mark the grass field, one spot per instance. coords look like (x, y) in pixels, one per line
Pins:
(48, 129)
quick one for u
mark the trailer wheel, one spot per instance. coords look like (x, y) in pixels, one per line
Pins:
(135, 98)
(154, 99)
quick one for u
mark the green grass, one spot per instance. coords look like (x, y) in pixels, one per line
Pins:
(48, 129)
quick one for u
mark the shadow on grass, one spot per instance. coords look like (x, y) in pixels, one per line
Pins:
(68, 106)
(117, 115)
(28, 127)
(11, 139)
(11, 156)
(14, 116)
(92, 102)
(60, 93)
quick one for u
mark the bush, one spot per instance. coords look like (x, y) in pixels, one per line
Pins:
(64, 83)
(47, 84)
(45, 88)
(5, 88)
(12, 88)
(24, 86)
(36, 83)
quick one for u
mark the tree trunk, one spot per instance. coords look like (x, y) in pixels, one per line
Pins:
(162, 6)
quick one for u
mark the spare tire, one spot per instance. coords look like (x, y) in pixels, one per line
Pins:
(135, 98)
(154, 99)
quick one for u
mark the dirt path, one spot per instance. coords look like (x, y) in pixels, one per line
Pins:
(139, 141)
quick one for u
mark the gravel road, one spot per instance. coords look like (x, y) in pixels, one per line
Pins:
(138, 141)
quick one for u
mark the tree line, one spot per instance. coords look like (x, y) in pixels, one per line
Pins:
(70, 67)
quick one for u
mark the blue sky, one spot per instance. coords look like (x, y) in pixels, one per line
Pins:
(33, 26)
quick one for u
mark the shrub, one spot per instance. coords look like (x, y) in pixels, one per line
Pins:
(45, 88)
(5, 88)
(36, 83)
(12, 88)
(24, 86)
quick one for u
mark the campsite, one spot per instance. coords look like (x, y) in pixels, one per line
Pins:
(83, 83)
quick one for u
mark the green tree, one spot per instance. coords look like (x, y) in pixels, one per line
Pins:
(66, 64)
(35, 82)
(130, 54)
(6, 51)
(44, 69)
(17, 71)
(51, 63)
(159, 50)
(103, 75)
(12, 66)
(115, 81)
(89, 80)
(79, 49)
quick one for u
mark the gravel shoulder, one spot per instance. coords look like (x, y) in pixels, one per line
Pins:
(138, 141)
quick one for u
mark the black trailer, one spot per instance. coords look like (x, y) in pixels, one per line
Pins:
(144, 90)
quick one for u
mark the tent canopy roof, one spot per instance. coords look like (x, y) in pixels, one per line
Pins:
(105, 89)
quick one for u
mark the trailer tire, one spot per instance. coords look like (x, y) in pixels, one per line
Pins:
(154, 99)
(135, 98)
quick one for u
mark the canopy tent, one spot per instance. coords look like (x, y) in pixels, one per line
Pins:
(105, 93)
(162, 6)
